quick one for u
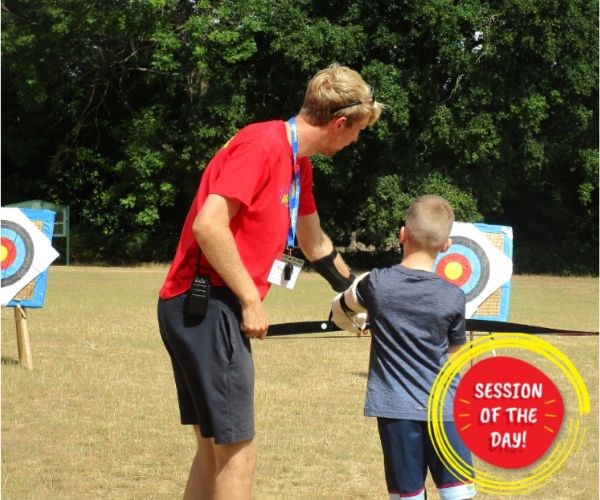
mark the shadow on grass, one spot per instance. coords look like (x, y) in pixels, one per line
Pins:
(10, 361)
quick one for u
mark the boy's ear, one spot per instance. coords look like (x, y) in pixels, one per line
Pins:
(447, 245)
(402, 235)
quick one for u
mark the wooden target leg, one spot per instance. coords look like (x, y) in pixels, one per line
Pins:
(23, 338)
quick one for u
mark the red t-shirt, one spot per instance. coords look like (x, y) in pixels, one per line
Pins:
(255, 168)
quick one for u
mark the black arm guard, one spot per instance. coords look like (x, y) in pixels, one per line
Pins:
(326, 268)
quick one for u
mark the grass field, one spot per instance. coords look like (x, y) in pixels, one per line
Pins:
(97, 416)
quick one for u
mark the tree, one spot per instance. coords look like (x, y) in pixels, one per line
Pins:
(115, 108)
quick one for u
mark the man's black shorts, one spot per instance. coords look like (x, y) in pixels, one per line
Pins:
(213, 366)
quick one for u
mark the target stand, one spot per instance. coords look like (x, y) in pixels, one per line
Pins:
(26, 296)
(26, 252)
(23, 345)
(479, 261)
(24, 246)
(496, 306)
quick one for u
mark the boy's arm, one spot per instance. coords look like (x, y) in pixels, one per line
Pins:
(348, 311)
(457, 335)
(452, 350)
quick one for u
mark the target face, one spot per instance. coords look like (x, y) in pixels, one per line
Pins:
(466, 265)
(17, 253)
(473, 264)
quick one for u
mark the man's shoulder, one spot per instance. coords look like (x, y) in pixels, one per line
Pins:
(261, 135)
(260, 130)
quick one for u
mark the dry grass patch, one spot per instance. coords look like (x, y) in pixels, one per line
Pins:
(97, 417)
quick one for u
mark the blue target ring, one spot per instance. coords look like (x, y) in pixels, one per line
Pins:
(23, 249)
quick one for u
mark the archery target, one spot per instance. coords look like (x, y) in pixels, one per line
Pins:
(466, 265)
(25, 251)
(17, 253)
(474, 264)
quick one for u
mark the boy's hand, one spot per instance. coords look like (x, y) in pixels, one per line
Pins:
(348, 312)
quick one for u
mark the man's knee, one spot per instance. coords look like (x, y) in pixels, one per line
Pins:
(240, 456)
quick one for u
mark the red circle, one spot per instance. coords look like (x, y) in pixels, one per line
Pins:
(459, 259)
(11, 253)
(507, 412)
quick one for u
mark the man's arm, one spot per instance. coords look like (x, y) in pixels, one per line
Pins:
(211, 229)
(319, 250)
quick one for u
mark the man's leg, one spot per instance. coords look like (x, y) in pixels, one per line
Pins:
(235, 466)
(221, 472)
(201, 480)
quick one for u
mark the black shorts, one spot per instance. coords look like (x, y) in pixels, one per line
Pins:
(213, 366)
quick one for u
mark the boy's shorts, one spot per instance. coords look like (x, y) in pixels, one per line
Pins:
(408, 452)
(213, 366)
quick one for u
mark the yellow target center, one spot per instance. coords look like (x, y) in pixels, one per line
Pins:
(3, 253)
(453, 271)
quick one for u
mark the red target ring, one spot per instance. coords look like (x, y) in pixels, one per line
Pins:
(454, 268)
(8, 252)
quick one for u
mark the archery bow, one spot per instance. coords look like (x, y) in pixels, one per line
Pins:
(473, 325)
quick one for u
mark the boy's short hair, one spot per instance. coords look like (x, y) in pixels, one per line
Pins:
(429, 221)
(339, 91)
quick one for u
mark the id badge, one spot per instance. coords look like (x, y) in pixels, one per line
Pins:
(285, 271)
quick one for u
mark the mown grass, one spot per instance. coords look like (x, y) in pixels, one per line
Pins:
(97, 416)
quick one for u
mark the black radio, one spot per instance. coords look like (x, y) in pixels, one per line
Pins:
(198, 295)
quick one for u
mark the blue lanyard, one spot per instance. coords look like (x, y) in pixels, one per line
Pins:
(294, 197)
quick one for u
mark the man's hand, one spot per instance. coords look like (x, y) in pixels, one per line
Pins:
(254, 320)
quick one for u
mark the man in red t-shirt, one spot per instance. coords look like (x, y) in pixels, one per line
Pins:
(254, 197)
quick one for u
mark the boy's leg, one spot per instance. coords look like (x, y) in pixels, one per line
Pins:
(405, 468)
(451, 485)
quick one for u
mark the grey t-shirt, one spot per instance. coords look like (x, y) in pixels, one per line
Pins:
(414, 316)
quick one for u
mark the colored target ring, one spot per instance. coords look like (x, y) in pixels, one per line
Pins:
(18, 246)
(8, 253)
(455, 268)
(466, 265)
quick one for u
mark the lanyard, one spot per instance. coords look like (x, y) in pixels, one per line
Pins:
(294, 197)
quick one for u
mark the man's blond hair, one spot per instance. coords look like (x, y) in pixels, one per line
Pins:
(339, 91)
(429, 221)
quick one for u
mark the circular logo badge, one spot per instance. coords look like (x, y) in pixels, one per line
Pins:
(507, 411)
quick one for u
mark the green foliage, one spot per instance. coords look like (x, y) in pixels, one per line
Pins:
(383, 212)
(115, 108)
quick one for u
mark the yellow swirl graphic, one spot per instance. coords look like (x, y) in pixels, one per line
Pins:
(569, 442)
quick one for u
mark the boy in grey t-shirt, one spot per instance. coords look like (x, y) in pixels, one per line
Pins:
(416, 318)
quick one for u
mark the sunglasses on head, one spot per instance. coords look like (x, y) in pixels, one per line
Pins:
(355, 103)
